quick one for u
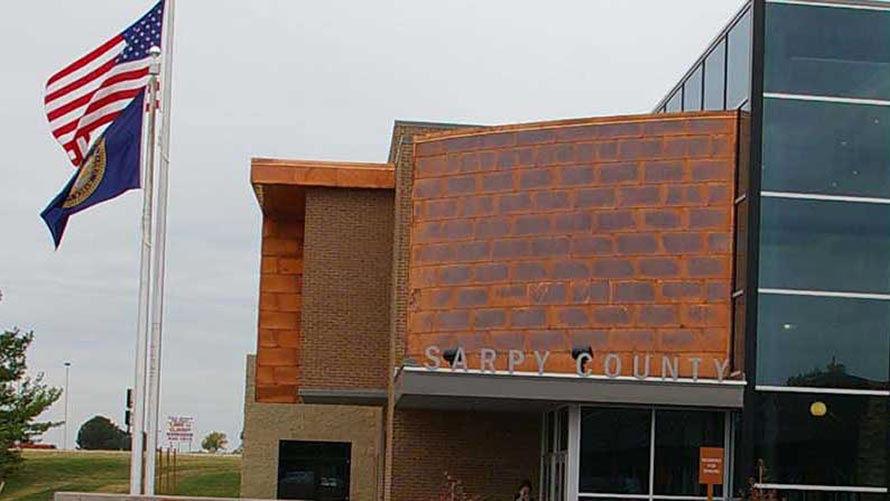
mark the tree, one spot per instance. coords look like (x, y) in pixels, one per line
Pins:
(22, 400)
(100, 434)
(215, 441)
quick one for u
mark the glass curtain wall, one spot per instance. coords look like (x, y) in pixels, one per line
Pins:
(721, 78)
(823, 317)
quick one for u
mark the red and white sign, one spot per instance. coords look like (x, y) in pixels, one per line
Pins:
(180, 428)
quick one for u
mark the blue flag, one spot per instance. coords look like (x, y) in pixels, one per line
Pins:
(110, 168)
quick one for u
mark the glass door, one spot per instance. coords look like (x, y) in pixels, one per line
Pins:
(554, 457)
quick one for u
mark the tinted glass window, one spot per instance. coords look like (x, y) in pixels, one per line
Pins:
(823, 342)
(678, 436)
(844, 443)
(313, 470)
(827, 246)
(827, 51)
(829, 148)
(715, 77)
(830, 496)
(675, 103)
(548, 433)
(564, 429)
(615, 451)
(692, 90)
(738, 66)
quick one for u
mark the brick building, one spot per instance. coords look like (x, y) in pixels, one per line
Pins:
(586, 303)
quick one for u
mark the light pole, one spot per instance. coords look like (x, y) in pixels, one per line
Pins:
(65, 439)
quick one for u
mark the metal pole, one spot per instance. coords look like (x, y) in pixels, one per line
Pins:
(65, 439)
(167, 474)
(137, 457)
(157, 304)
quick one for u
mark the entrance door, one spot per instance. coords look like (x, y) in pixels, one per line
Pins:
(554, 457)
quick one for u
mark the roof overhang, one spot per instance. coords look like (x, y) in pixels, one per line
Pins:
(418, 387)
(280, 185)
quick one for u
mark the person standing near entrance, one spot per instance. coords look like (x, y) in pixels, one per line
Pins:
(525, 491)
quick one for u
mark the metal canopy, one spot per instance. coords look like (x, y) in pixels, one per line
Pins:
(445, 389)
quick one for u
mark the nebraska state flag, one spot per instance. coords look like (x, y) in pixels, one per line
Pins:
(109, 168)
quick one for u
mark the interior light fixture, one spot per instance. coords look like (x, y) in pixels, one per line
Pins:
(818, 409)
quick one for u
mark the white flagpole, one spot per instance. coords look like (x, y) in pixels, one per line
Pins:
(148, 144)
(157, 296)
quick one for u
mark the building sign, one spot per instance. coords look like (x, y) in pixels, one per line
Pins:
(180, 428)
(710, 465)
(645, 366)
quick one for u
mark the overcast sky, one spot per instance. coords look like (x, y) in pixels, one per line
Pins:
(293, 79)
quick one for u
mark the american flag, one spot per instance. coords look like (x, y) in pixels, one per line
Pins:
(91, 92)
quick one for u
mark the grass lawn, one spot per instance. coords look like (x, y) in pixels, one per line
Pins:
(45, 472)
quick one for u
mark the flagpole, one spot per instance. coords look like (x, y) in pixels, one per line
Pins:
(157, 296)
(136, 439)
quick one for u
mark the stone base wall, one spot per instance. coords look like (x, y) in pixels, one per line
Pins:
(267, 424)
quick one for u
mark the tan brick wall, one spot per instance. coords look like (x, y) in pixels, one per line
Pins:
(401, 155)
(612, 233)
(267, 424)
(490, 453)
(346, 288)
(278, 333)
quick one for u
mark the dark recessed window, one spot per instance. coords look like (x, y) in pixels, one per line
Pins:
(827, 148)
(692, 91)
(548, 433)
(675, 103)
(738, 65)
(814, 439)
(743, 151)
(615, 451)
(678, 437)
(715, 78)
(741, 246)
(563, 416)
(738, 333)
(827, 51)
(313, 470)
(823, 342)
(824, 246)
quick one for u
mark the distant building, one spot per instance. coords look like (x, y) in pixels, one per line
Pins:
(586, 303)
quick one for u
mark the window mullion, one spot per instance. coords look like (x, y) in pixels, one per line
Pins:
(652, 457)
